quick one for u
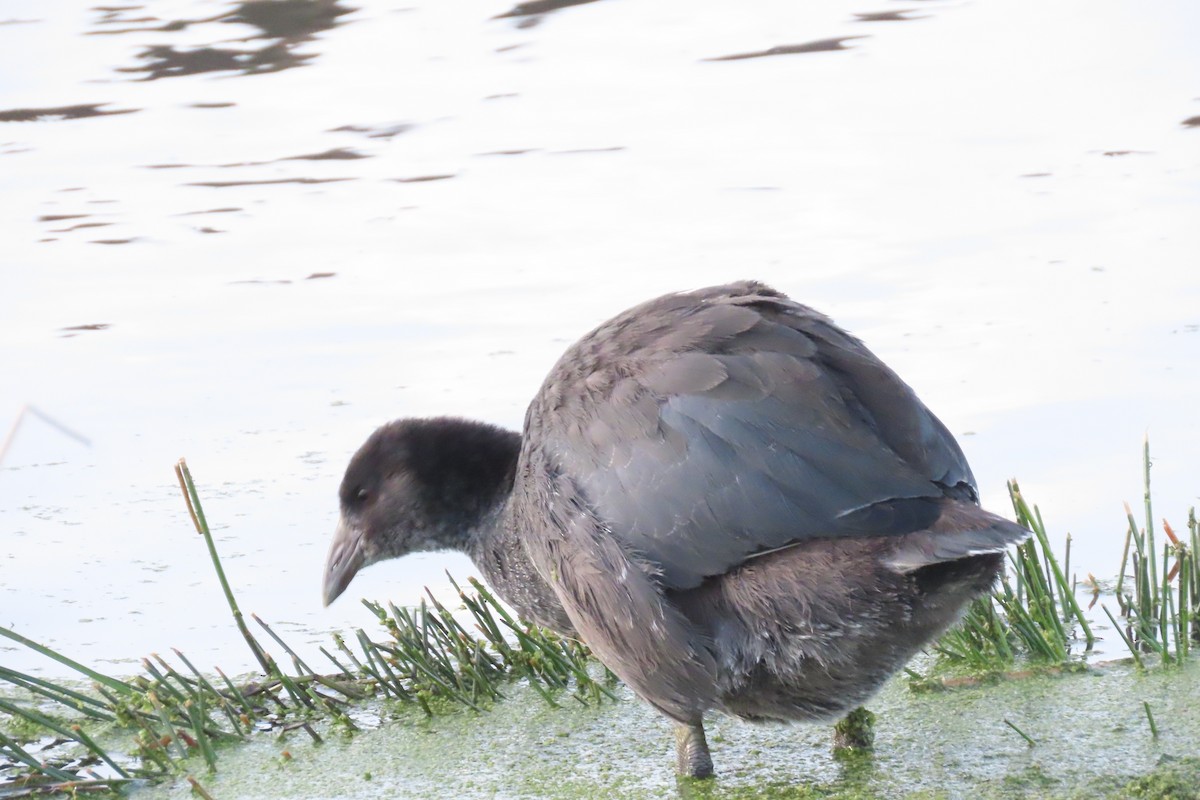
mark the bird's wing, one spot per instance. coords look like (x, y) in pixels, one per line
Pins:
(705, 428)
(614, 601)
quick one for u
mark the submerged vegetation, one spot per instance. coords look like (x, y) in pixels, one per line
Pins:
(57, 738)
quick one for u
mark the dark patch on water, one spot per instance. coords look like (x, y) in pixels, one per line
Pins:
(539, 7)
(1191, 122)
(94, 326)
(1037, 175)
(818, 46)
(228, 210)
(211, 105)
(423, 178)
(18, 21)
(60, 217)
(515, 152)
(291, 20)
(294, 20)
(61, 112)
(334, 154)
(582, 150)
(319, 275)
(889, 16)
(167, 62)
(379, 132)
(269, 182)
(285, 24)
(115, 241)
(114, 18)
(1113, 153)
(81, 226)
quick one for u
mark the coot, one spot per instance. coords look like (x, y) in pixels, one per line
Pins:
(731, 500)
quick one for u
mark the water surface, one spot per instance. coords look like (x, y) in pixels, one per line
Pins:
(249, 233)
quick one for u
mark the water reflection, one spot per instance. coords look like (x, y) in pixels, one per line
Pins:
(60, 217)
(292, 20)
(229, 210)
(380, 132)
(423, 178)
(62, 112)
(534, 10)
(333, 154)
(267, 182)
(95, 326)
(818, 46)
(954, 216)
(80, 226)
(167, 62)
(889, 16)
(286, 24)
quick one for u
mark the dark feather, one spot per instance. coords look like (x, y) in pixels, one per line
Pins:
(706, 428)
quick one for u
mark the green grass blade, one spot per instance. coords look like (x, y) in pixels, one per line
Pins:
(120, 687)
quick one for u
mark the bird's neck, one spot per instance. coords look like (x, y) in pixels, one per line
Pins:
(472, 465)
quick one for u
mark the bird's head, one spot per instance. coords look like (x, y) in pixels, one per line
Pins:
(416, 485)
(385, 508)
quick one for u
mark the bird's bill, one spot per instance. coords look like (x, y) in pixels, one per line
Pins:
(345, 559)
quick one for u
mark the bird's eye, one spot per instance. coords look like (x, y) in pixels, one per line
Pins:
(361, 495)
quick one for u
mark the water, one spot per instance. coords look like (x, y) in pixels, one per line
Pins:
(298, 220)
(1093, 741)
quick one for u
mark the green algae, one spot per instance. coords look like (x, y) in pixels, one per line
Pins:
(1173, 779)
(1092, 744)
(855, 731)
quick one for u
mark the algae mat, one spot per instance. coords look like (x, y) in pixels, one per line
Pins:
(1092, 739)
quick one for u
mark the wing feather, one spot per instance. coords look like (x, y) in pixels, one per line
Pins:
(702, 429)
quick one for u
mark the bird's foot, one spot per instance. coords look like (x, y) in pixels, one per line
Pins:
(692, 759)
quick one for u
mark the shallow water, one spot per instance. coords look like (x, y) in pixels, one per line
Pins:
(278, 230)
(1091, 735)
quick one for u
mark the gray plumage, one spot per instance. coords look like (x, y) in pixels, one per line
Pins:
(732, 501)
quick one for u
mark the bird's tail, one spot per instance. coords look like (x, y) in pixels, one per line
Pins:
(961, 530)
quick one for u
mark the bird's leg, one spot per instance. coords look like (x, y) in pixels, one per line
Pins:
(691, 750)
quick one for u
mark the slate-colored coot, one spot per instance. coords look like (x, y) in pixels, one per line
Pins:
(731, 500)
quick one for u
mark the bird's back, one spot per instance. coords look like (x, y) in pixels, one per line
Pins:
(696, 432)
(705, 427)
